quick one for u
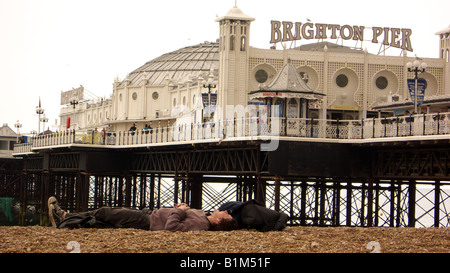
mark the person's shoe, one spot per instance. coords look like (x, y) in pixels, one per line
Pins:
(54, 211)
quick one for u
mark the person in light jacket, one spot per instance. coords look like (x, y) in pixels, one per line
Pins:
(178, 218)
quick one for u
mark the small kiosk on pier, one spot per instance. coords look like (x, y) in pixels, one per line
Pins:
(290, 92)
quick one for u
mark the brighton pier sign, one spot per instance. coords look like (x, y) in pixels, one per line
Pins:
(288, 31)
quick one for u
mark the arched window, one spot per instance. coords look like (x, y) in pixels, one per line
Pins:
(232, 42)
(243, 43)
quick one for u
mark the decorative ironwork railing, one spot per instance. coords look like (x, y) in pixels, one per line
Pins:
(254, 128)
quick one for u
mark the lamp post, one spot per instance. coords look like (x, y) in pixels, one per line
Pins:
(44, 119)
(73, 103)
(416, 67)
(18, 125)
(209, 84)
(39, 111)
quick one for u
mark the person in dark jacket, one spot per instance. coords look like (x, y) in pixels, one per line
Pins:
(253, 215)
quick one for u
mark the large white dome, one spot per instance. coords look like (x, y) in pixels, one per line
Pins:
(192, 61)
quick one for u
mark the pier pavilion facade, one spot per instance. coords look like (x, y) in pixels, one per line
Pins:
(328, 157)
(352, 82)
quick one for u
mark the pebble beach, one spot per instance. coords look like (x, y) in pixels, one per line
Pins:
(300, 239)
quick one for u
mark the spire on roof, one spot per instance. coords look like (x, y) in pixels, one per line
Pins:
(235, 13)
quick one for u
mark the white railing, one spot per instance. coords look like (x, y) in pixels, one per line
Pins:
(62, 138)
(22, 148)
(253, 128)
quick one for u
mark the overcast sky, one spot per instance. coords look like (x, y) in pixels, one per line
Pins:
(49, 46)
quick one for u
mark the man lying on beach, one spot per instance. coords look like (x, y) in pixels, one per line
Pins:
(179, 218)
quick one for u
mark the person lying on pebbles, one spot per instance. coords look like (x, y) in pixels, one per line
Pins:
(178, 218)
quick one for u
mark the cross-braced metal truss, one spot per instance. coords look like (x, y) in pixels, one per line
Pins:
(444, 207)
(219, 160)
(432, 206)
(402, 187)
(412, 163)
(137, 191)
(305, 202)
(149, 191)
(328, 202)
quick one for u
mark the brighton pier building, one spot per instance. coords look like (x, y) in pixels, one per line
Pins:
(320, 80)
(327, 133)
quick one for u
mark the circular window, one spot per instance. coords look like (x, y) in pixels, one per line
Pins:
(134, 96)
(155, 95)
(341, 80)
(261, 76)
(381, 82)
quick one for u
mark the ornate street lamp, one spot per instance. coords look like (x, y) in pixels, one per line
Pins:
(18, 125)
(39, 111)
(416, 67)
(44, 119)
(73, 103)
(209, 84)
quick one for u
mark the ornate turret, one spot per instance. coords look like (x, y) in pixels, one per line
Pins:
(233, 55)
(444, 53)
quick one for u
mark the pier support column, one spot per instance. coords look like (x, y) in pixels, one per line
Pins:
(370, 203)
(437, 202)
(260, 183)
(82, 192)
(277, 192)
(412, 203)
(152, 192)
(23, 197)
(44, 195)
(195, 182)
(260, 189)
(128, 189)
